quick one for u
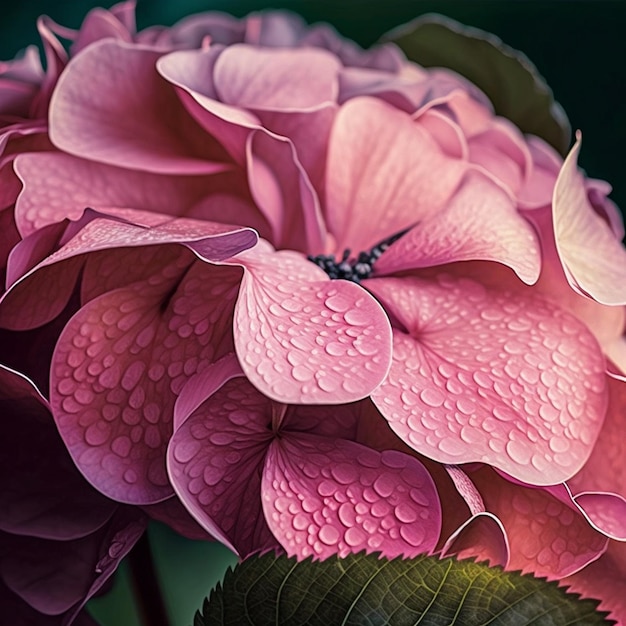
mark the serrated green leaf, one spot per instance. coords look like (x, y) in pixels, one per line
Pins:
(508, 78)
(367, 590)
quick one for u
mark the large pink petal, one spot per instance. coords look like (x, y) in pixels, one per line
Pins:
(480, 222)
(111, 105)
(330, 496)
(215, 460)
(546, 537)
(605, 580)
(383, 165)
(121, 362)
(593, 258)
(41, 491)
(304, 339)
(504, 378)
(275, 78)
(59, 186)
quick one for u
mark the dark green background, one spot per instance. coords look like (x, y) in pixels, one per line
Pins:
(579, 46)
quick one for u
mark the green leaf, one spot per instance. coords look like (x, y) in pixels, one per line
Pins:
(364, 589)
(510, 80)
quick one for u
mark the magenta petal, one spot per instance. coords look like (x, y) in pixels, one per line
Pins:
(275, 78)
(330, 496)
(120, 363)
(57, 577)
(304, 339)
(41, 492)
(530, 400)
(480, 222)
(215, 460)
(111, 105)
(593, 258)
(383, 165)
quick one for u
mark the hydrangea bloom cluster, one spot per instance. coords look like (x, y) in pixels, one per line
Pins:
(289, 294)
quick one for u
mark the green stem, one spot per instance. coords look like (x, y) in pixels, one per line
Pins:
(146, 588)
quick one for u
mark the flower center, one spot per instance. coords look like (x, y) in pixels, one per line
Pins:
(356, 268)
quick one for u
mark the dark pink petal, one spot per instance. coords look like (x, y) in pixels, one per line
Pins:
(330, 496)
(593, 258)
(23, 306)
(41, 492)
(122, 360)
(503, 378)
(111, 105)
(482, 537)
(59, 186)
(57, 577)
(215, 459)
(604, 580)
(304, 339)
(101, 24)
(546, 537)
(283, 192)
(274, 78)
(480, 222)
(383, 165)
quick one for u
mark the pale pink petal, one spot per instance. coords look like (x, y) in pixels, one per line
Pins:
(215, 459)
(273, 78)
(120, 364)
(546, 163)
(283, 192)
(597, 192)
(59, 186)
(546, 537)
(383, 165)
(323, 497)
(304, 339)
(604, 580)
(446, 133)
(593, 258)
(498, 377)
(112, 106)
(480, 222)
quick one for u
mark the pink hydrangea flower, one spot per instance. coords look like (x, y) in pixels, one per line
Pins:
(474, 344)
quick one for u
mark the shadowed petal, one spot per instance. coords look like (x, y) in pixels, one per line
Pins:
(593, 258)
(175, 515)
(503, 378)
(349, 498)
(304, 339)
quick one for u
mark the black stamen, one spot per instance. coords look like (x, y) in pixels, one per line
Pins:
(353, 269)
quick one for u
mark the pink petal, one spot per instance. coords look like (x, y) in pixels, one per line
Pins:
(383, 165)
(100, 24)
(546, 163)
(283, 192)
(120, 364)
(330, 496)
(503, 378)
(275, 78)
(593, 258)
(59, 186)
(175, 515)
(605, 580)
(111, 105)
(546, 537)
(215, 459)
(480, 222)
(304, 339)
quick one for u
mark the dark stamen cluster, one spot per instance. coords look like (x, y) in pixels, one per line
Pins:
(354, 269)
